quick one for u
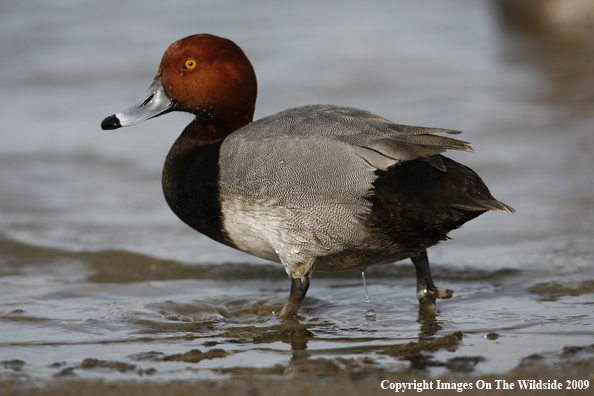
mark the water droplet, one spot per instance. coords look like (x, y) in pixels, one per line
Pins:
(370, 314)
(365, 285)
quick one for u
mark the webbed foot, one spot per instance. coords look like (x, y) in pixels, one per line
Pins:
(427, 293)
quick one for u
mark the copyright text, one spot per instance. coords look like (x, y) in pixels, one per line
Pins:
(420, 386)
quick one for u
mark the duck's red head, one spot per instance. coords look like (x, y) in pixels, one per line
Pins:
(205, 75)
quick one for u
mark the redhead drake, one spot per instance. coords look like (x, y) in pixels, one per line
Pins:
(319, 187)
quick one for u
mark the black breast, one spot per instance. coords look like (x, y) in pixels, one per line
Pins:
(190, 185)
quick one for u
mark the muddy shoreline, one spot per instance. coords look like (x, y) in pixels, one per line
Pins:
(536, 372)
(568, 371)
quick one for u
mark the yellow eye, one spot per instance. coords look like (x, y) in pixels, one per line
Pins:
(190, 64)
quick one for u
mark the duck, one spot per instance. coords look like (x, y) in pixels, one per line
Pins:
(316, 187)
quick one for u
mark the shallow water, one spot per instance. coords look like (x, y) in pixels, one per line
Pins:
(99, 280)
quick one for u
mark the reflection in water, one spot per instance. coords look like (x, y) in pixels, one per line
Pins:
(429, 324)
(557, 38)
(420, 354)
(295, 333)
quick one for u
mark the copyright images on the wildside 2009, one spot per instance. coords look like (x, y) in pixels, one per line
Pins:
(429, 385)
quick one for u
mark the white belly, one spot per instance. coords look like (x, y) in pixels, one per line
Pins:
(251, 228)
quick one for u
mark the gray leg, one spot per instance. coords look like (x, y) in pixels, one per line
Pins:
(299, 287)
(427, 293)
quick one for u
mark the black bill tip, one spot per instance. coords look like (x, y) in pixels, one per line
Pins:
(111, 122)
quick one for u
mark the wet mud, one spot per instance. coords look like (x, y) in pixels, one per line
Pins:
(329, 377)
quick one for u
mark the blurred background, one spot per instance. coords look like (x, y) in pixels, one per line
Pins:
(91, 255)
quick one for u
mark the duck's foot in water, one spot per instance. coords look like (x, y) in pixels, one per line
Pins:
(427, 297)
(299, 287)
(427, 293)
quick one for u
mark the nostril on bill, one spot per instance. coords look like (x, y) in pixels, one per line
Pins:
(148, 99)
